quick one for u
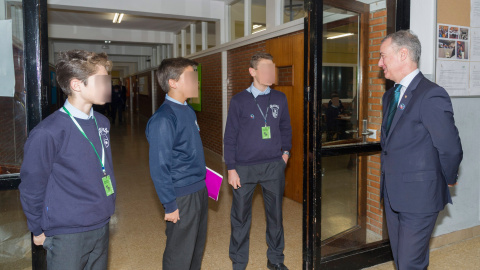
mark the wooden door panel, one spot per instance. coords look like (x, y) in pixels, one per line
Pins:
(287, 52)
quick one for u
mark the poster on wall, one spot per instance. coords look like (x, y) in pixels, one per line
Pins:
(143, 85)
(453, 58)
(196, 103)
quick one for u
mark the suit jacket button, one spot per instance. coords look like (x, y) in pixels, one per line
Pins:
(385, 153)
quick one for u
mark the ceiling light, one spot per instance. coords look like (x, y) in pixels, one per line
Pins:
(341, 35)
(108, 41)
(120, 18)
(255, 26)
(115, 18)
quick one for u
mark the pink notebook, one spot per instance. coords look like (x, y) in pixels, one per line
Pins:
(213, 180)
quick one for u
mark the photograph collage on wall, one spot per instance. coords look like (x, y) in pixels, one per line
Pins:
(453, 42)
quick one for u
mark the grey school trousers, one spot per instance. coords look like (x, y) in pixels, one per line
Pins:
(186, 238)
(271, 177)
(78, 251)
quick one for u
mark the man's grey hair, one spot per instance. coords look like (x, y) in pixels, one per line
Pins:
(406, 39)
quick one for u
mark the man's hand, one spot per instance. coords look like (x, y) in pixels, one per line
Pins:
(173, 217)
(234, 179)
(452, 185)
(285, 158)
(38, 240)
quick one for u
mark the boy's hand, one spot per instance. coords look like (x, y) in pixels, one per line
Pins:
(234, 179)
(38, 240)
(172, 217)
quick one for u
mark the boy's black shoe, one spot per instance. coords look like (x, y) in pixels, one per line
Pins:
(277, 266)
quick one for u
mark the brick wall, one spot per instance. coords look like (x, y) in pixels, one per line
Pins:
(238, 63)
(376, 89)
(210, 117)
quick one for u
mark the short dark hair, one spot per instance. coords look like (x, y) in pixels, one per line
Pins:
(172, 69)
(78, 64)
(259, 56)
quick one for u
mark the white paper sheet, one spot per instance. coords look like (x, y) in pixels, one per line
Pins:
(453, 76)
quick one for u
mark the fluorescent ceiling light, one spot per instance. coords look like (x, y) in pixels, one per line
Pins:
(118, 17)
(108, 41)
(255, 26)
(115, 18)
(341, 35)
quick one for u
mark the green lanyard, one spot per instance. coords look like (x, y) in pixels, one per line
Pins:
(102, 160)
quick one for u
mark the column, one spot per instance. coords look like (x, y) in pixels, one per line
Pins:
(193, 38)
(247, 18)
(183, 34)
(204, 35)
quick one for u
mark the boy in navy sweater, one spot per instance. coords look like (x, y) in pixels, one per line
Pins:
(68, 187)
(177, 165)
(257, 141)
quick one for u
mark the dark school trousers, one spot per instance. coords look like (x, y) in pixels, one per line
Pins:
(271, 177)
(78, 251)
(186, 238)
(409, 235)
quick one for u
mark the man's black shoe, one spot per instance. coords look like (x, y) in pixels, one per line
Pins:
(277, 266)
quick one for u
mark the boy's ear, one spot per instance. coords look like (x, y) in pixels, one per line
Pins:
(75, 84)
(252, 71)
(172, 83)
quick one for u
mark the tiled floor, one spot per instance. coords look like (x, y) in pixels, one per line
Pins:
(137, 228)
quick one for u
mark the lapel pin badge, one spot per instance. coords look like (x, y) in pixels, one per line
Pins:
(402, 106)
(252, 116)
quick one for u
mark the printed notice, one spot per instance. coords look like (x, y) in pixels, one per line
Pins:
(453, 76)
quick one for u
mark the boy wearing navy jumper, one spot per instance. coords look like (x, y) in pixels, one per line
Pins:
(257, 145)
(177, 165)
(68, 187)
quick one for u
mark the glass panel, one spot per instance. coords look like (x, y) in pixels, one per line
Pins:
(13, 121)
(198, 36)
(293, 9)
(179, 44)
(237, 20)
(14, 234)
(351, 210)
(212, 35)
(188, 40)
(259, 16)
(339, 194)
(340, 75)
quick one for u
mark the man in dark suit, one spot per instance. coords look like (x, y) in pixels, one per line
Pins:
(421, 151)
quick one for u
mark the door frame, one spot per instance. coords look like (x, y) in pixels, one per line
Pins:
(371, 254)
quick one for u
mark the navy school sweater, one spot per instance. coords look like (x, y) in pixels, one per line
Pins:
(177, 161)
(61, 187)
(243, 143)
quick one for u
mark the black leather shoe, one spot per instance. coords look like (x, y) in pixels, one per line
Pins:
(277, 266)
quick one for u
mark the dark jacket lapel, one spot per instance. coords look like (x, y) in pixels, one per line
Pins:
(405, 99)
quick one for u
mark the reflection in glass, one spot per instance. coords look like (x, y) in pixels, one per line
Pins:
(340, 76)
(293, 10)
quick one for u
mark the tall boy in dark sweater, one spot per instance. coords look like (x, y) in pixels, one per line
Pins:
(68, 188)
(257, 141)
(177, 165)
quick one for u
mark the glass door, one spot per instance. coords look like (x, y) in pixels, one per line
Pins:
(345, 228)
